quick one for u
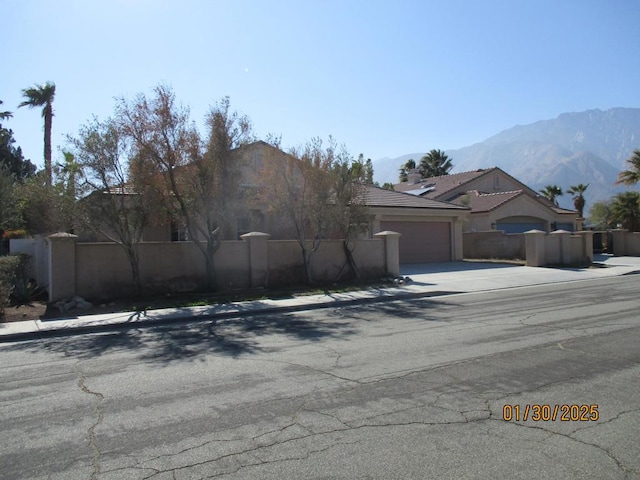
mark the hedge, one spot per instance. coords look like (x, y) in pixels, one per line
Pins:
(8, 266)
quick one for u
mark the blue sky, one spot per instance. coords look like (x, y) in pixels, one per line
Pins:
(385, 78)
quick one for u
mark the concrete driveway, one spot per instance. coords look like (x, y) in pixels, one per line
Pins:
(468, 276)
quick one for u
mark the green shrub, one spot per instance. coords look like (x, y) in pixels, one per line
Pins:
(25, 288)
(8, 266)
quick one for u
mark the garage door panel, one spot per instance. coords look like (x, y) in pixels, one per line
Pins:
(422, 242)
(512, 227)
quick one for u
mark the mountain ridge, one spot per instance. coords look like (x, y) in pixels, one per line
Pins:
(589, 147)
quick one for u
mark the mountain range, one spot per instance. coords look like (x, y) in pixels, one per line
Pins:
(588, 147)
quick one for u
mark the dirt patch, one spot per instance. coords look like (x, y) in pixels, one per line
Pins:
(19, 313)
(39, 309)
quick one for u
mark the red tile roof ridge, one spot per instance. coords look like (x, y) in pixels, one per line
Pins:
(508, 192)
(479, 171)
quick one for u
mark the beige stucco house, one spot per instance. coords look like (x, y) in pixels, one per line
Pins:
(497, 200)
(431, 230)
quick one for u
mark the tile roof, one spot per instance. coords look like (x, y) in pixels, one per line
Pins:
(380, 197)
(436, 186)
(485, 202)
(563, 210)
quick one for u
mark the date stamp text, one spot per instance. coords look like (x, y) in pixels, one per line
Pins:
(550, 413)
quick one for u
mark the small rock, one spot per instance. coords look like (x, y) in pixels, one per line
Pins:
(83, 305)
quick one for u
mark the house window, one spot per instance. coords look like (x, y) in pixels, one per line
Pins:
(178, 232)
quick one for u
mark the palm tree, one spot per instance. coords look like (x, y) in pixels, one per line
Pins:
(404, 170)
(69, 170)
(5, 115)
(551, 192)
(631, 176)
(578, 196)
(434, 164)
(626, 210)
(42, 96)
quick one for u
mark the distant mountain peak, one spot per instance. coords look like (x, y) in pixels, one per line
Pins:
(575, 147)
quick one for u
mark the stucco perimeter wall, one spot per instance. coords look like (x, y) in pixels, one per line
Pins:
(494, 244)
(329, 263)
(558, 248)
(101, 270)
(625, 243)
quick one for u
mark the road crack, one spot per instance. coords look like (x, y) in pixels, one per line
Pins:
(99, 416)
(622, 467)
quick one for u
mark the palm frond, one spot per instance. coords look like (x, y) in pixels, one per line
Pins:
(38, 95)
(632, 175)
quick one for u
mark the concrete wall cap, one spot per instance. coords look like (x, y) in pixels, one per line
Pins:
(62, 235)
(387, 233)
(254, 235)
(560, 232)
(534, 231)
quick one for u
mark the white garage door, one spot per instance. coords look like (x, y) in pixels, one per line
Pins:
(422, 242)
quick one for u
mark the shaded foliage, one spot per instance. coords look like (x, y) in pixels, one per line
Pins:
(11, 157)
(8, 267)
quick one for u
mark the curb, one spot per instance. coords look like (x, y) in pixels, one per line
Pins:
(134, 320)
(147, 322)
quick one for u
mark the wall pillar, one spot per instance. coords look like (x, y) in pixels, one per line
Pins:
(391, 251)
(563, 237)
(587, 245)
(618, 237)
(534, 246)
(457, 247)
(258, 258)
(62, 266)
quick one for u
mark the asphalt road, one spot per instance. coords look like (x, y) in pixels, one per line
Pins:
(404, 389)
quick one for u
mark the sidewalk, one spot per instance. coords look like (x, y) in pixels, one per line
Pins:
(427, 280)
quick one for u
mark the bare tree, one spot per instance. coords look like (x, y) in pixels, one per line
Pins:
(313, 188)
(114, 204)
(197, 176)
(350, 217)
(216, 184)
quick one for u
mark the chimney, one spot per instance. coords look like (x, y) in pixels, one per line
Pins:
(413, 176)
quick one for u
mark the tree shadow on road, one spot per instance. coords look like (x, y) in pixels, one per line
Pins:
(416, 308)
(196, 338)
